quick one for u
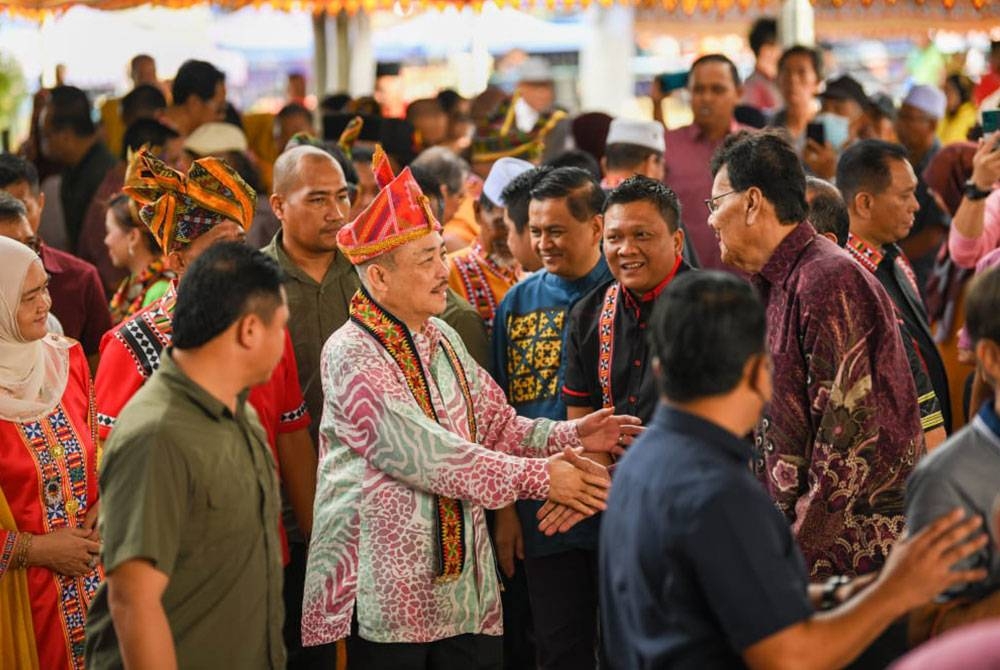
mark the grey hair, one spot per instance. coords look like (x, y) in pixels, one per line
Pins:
(444, 166)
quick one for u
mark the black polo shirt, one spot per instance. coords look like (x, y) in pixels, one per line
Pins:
(696, 562)
(633, 388)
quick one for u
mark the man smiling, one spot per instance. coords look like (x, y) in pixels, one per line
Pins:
(416, 439)
(565, 223)
(607, 354)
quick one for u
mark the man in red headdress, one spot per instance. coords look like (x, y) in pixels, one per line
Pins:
(416, 440)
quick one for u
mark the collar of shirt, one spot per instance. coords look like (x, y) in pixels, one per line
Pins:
(525, 116)
(698, 134)
(97, 155)
(338, 267)
(988, 415)
(868, 255)
(650, 296)
(786, 256)
(50, 261)
(676, 420)
(211, 405)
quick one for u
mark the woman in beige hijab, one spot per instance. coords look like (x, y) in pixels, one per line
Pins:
(49, 544)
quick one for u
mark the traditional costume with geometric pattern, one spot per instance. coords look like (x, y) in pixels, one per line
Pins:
(415, 441)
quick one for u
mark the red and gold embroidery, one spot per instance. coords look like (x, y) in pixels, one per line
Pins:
(62, 468)
(395, 338)
(606, 342)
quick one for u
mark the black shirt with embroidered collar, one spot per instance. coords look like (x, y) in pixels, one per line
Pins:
(633, 388)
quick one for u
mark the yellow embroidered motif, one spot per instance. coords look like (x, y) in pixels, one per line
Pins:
(534, 354)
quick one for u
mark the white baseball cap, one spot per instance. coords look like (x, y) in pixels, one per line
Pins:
(502, 173)
(647, 134)
(213, 138)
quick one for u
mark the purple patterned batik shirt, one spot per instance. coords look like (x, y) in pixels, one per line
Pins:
(842, 431)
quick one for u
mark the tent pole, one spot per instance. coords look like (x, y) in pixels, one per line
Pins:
(319, 54)
(797, 24)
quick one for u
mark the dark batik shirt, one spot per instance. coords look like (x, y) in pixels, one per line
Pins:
(842, 431)
(628, 382)
(893, 271)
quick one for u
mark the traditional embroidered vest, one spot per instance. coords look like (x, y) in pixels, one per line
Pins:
(394, 336)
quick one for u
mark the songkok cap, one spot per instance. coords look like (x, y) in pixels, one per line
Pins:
(647, 134)
(179, 208)
(928, 99)
(535, 70)
(845, 88)
(400, 213)
(501, 174)
(210, 139)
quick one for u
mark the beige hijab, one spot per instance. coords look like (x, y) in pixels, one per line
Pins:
(33, 374)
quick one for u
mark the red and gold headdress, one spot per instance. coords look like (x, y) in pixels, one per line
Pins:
(399, 214)
(179, 208)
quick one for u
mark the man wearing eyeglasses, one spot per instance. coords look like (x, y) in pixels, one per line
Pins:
(843, 430)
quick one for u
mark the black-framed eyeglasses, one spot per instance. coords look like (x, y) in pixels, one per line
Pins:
(712, 204)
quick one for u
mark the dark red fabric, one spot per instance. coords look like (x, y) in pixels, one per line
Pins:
(78, 299)
(948, 171)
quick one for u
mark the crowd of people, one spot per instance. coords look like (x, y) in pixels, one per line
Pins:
(496, 386)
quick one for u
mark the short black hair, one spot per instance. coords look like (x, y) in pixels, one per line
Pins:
(196, 77)
(332, 104)
(626, 156)
(799, 50)
(766, 160)
(226, 282)
(449, 99)
(982, 318)
(143, 101)
(517, 195)
(146, 131)
(69, 109)
(576, 158)
(722, 60)
(866, 166)
(583, 193)
(704, 329)
(641, 188)
(11, 208)
(14, 169)
(294, 109)
(827, 209)
(763, 32)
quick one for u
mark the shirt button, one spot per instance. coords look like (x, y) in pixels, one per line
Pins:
(642, 326)
(637, 363)
(632, 399)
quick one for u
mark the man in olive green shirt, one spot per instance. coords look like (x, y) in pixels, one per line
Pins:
(312, 202)
(189, 498)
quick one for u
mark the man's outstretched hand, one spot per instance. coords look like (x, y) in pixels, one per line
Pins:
(578, 482)
(605, 431)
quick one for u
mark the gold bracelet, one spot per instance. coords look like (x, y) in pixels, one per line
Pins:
(20, 561)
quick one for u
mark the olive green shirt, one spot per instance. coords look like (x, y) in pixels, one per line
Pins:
(191, 488)
(318, 309)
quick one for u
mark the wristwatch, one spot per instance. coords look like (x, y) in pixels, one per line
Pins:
(973, 192)
(828, 598)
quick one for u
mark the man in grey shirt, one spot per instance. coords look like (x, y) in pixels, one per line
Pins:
(965, 470)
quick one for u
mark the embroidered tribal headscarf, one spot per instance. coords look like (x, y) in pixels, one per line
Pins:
(180, 208)
(33, 374)
(500, 137)
(398, 214)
